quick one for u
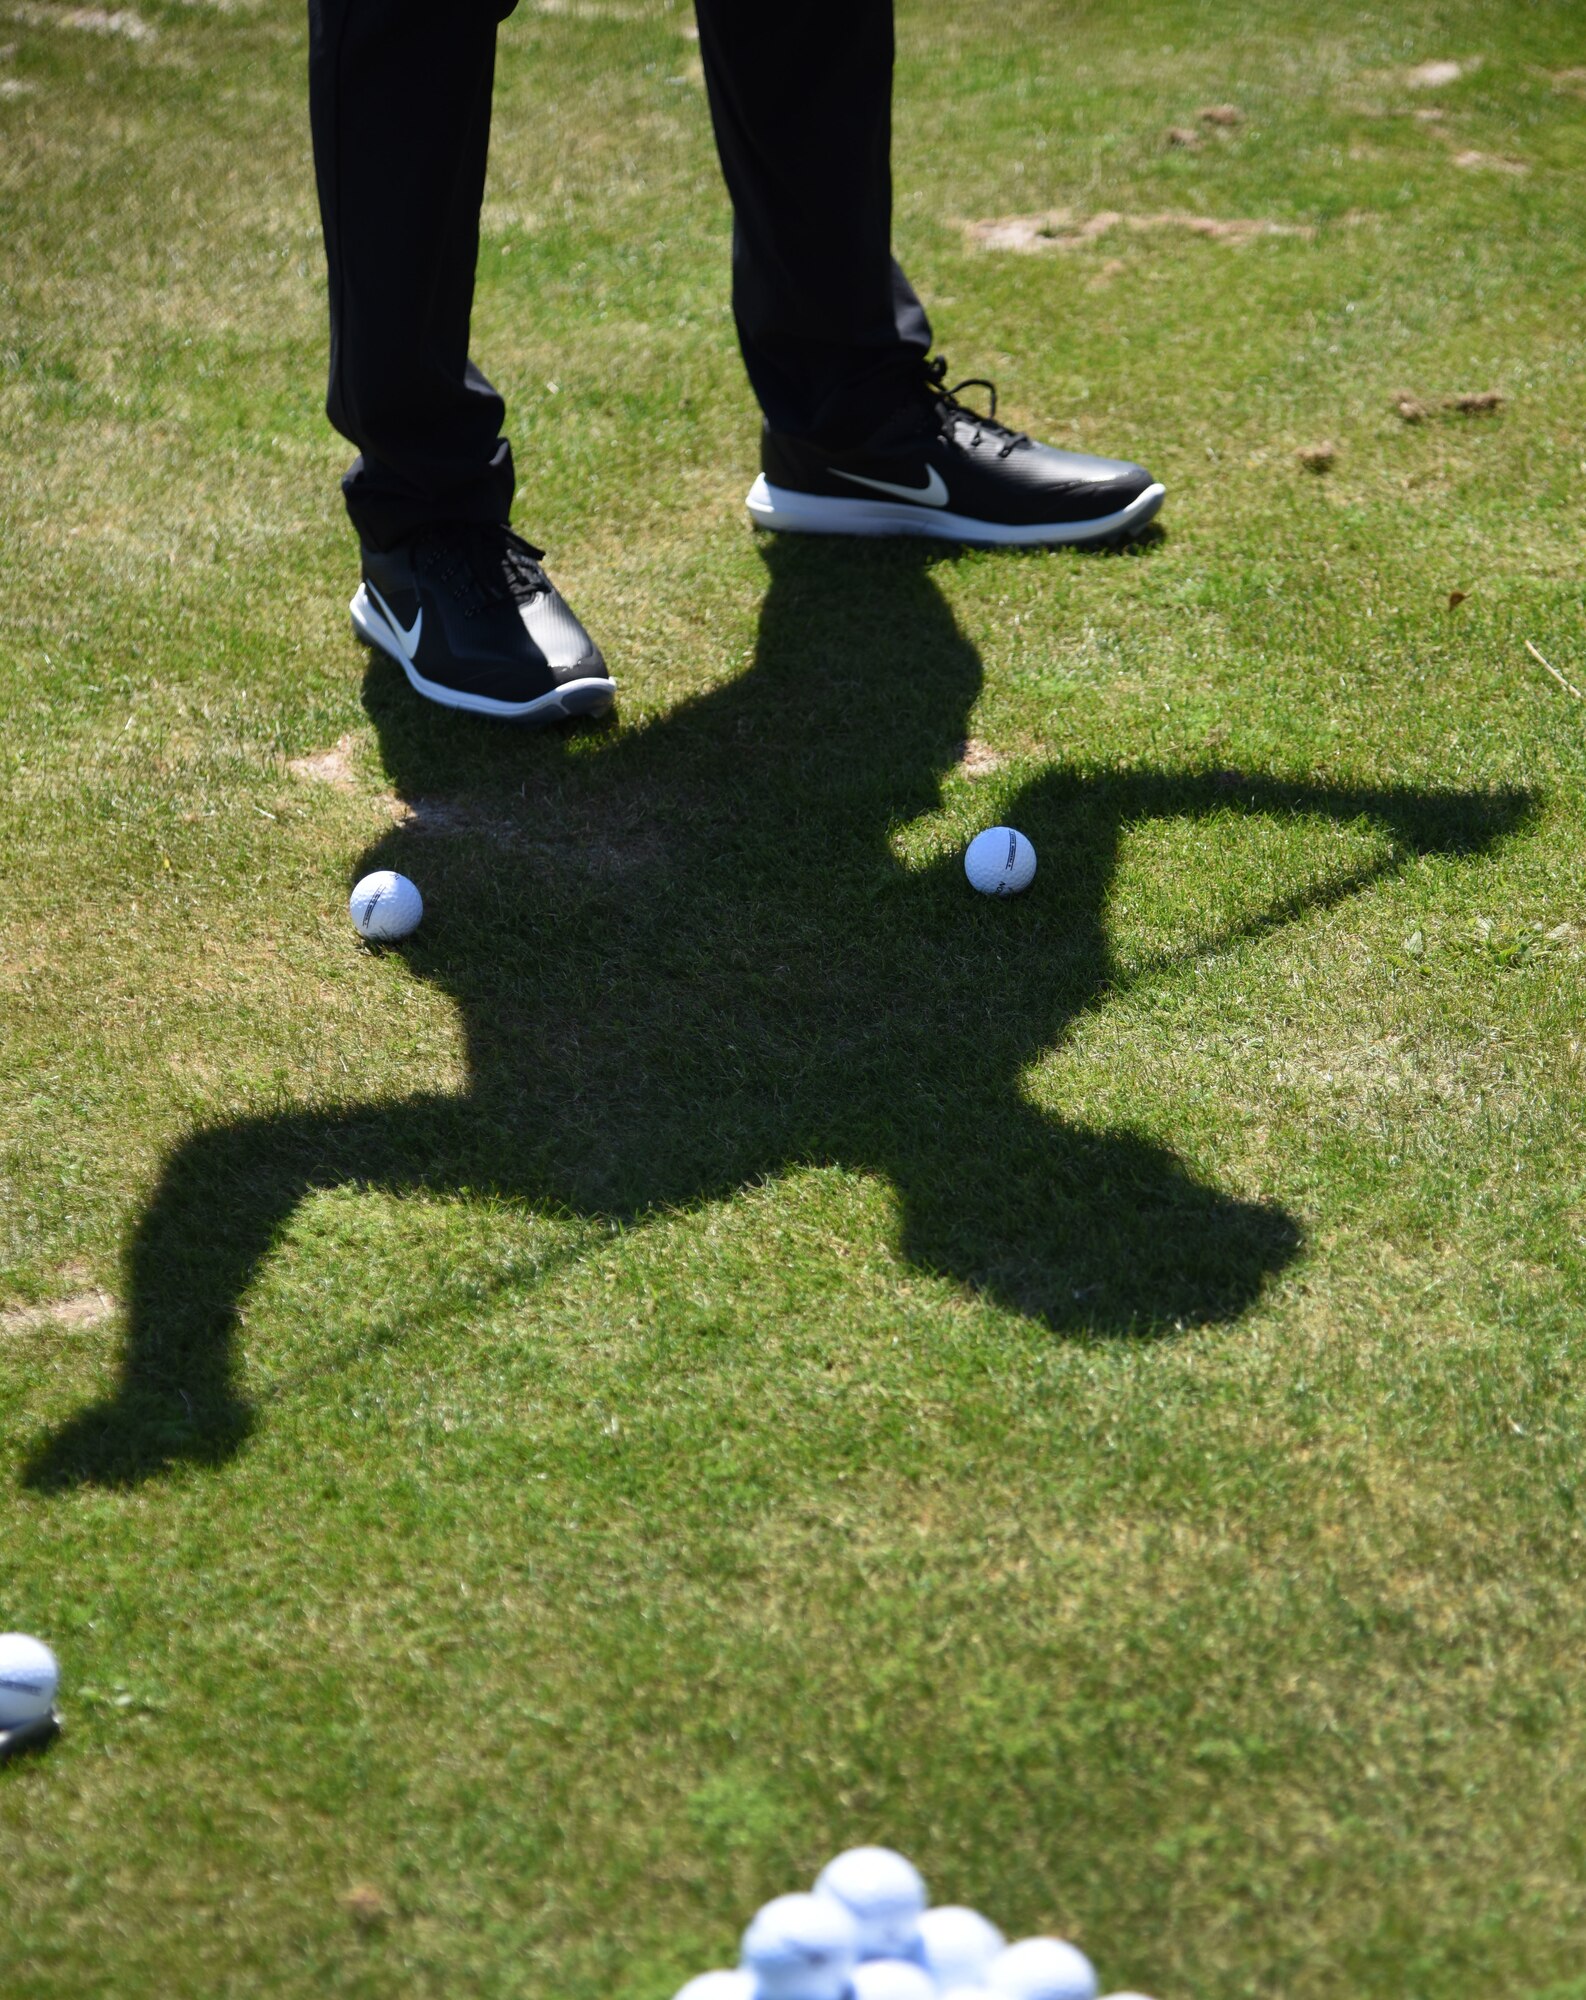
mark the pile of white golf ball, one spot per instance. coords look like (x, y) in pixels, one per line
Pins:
(385, 906)
(999, 862)
(29, 1678)
(867, 1933)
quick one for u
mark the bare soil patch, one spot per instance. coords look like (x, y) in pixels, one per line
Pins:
(1062, 229)
(570, 840)
(79, 1312)
(326, 767)
(976, 758)
(1417, 409)
(1497, 163)
(1437, 74)
(94, 20)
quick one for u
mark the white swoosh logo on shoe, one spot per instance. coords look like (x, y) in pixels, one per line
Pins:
(410, 640)
(932, 494)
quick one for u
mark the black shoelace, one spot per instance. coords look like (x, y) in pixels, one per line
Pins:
(482, 564)
(950, 411)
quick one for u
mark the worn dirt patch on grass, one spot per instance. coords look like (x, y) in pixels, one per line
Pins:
(1061, 229)
(94, 20)
(327, 767)
(567, 839)
(1497, 163)
(1416, 409)
(975, 758)
(1437, 74)
(79, 1312)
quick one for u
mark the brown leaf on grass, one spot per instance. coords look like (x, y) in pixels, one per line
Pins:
(1434, 75)
(1185, 136)
(366, 1906)
(1317, 457)
(1220, 114)
(1411, 408)
(1456, 598)
(1474, 406)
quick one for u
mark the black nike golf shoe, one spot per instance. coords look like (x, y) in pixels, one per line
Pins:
(473, 621)
(936, 467)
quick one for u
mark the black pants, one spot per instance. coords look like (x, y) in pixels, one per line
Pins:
(399, 94)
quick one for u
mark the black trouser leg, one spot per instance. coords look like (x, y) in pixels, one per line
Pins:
(399, 100)
(801, 98)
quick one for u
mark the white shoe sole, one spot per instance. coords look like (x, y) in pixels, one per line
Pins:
(562, 704)
(779, 507)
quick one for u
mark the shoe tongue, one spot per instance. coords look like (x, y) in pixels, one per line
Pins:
(913, 422)
(504, 566)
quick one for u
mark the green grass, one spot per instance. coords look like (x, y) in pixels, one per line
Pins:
(728, 1346)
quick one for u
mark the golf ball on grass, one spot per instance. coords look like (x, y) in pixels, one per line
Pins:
(801, 1948)
(958, 1944)
(29, 1678)
(1043, 1968)
(385, 906)
(999, 862)
(892, 1979)
(884, 1895)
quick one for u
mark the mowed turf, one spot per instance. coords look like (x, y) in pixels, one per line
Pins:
(728, 1345)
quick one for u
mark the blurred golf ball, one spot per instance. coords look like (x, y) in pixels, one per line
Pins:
(958, 1944)
(801, 1948)
(885, 1895)
(719, 1986)
(29, 1677)
(385, 906)
(999, 862)
(1043, 1968)
(892, 1979)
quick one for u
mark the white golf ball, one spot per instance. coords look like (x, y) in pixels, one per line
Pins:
(1043, 1968)
(885, 1894)
(385, 906)
(892, 1979)
(719, 1986)
(958, 1944)
(29, 1677)
(801, 1948)
(999, 862)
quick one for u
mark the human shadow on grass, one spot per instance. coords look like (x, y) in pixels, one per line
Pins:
(689, 957)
